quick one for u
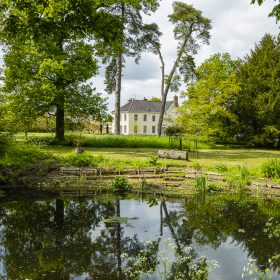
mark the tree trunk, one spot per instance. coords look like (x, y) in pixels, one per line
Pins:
(119, 87)
(59, 213)
(169, 80)
(118, 239)
(162, 90)
(168, 221)
(59, 129)
(100, 129)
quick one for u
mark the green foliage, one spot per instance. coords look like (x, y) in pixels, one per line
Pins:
(271, 168)
(49, 60)
(110, 141)
(257, 104)
(270, 137)
(155, 99)
(196, 165)
(80, 160)
(254, 272)
(191, 29)
(275, 11)
(221, 167)
(5, 142)
(120, 185)
(206, 111)
(201, 182)
(153, 160)
(244, 173)
(25, 165)
(235, 101)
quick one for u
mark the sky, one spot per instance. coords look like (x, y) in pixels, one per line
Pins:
(236, 27)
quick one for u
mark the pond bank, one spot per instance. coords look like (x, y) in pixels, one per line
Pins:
(171, 180)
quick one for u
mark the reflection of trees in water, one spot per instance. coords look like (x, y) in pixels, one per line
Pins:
(211, 222)
(54, 240)
(49, 240)
(58, 239)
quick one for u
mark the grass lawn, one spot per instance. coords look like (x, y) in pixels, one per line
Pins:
(208, 158)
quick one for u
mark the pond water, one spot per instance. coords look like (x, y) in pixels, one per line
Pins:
(103, 237)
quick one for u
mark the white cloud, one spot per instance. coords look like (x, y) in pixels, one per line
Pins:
(237, 26)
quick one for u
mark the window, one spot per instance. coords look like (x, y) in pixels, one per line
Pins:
(124, 129)
(153, 118)
(136, 117)
(153, 129)
(124, 117)
(120, 117)
(135, 129)
(121, 129)
(144, 129)
(145, 118)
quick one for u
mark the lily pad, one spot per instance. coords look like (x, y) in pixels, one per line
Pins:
(122, 220)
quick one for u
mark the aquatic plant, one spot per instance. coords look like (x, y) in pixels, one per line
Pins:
(201, 182)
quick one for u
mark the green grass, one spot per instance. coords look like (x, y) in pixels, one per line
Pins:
(109, 141)
(206, 157)
(135, 152)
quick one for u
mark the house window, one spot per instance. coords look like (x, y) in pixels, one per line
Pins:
(153, 129)
(124, 117)
(144, 129)
(145, 118)
(120, 117)
(136, 117)
(153, 118)
(135, 129)
(124, 129)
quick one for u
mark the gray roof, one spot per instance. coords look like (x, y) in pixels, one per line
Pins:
(142, 106)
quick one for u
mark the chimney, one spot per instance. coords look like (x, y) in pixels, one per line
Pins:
(175, 101)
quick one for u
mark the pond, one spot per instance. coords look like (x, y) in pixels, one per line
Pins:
(107, 237)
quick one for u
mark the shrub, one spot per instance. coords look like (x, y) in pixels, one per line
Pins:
(221, 167)
(5, 140)
(271, 168)
(80, 160)
(25, 165)
(120, 185)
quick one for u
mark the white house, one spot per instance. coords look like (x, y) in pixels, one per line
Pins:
(142, 116)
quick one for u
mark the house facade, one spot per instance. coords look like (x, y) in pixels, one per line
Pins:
(142, 116)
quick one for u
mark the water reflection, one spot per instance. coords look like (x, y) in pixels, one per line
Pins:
(91, 239)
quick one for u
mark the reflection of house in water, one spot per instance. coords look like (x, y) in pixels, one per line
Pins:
(142, 116)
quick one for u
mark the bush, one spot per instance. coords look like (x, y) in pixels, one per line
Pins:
(120, 185)
(5, 140)
(271, 169)
(80, 160)
(221, 167)
(25, 165)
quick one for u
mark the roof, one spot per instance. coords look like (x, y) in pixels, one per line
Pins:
(143, 106)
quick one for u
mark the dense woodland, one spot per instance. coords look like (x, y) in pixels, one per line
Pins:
(53, 48)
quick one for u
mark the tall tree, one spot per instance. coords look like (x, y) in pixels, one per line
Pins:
(49, 51)
(258, 103)
(132, 42)
(207, 110)
(190, 30)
